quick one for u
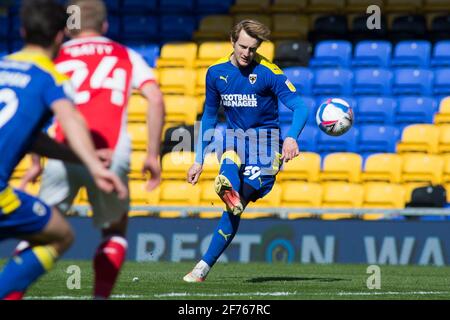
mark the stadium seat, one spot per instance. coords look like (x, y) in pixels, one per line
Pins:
(139, 6)
(180, 109)
(271, 200)
(444, 139)
(305, 167)
(142, 27)
(347, 142)
(4, 25)
(436, 5)
(402, 5)
(176, 6)
(446, 170)
(377, 139)
(267, 50)
(175, 165)
(357, 6)
(289, 53)
(298, 194)
(341, 195)
(214, 27)
(379, 110)
(443, 116)
(138, 135)
(332, 54)
(422, 138)
(177, 55)
(288, 6)
(113, 5)
(325, 6)
(137, 108)
(176, 27)
(201, 81)
(382, 195)
(332, 82)
(301, 78)
(383, 167)
(407, 27)
(412, 54)
(150, 52)
(140, 196)
(289, 27)
(213, 6)
(264, 18)
(342, 166)
(442, 82)
(210, 52)
(440, 27)
(359, 31)
(211, 167)
(209, 198)
(412, 110)
(372, 82)
(137, 161)
(422, 168)
(250, 6)
(413, 82)
(178, 193)
(441, 54)
(177, 81)
(372, 54)
(328, 27)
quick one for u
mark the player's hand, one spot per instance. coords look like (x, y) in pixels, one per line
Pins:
(290, 149)
(194, 173)
(105, 156)
(109, 182)
(152, 166)
(32, 173)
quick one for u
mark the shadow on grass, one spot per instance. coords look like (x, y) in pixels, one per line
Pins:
(271, 279)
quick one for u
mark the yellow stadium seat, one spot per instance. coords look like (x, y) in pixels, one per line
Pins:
(358, 6)
(270, 200)
(178, 193)
(250, 6)
(301, 195)
(214, 27)
(200, 103)
(382, 195)
(436, 6)
(341, 195)
(304, 167)
(290, 26)
(325, 6)
(446, 170)
(137, 161)
(137, 108)
(139, 196)
(210, 52)
(201, 81)
(177, 81)
(444, 139)
(409, 187)
(288, 6)
(267, 50)
(211, 167)
(423, 138)
(443, 116)
(209, 198)
(385, 167)
(177, 55)
(265, 19)
(422, 168)
(342, 166)
(180, 109)
(402, 5)
(175, 165)
(138, 135)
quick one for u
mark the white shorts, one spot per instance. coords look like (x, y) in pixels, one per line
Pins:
(61, 182)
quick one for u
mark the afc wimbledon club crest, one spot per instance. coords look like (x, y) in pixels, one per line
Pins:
(252, 78)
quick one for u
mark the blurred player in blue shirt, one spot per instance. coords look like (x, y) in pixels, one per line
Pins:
(248, 86)
(31, 92)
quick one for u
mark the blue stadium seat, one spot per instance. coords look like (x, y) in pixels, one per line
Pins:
(176, 6)
(331, 54)
(213, 6)
(347, 142)
(375, 54)
(150, 52)
(376, 110)
(139, 6)
(307, 141)
(378, 139)
(442, 82)
(114, 26)
(301, 78)
(4, 26)
(177, 27)
(413, 82)
(113, 5)
(441, 54)
(285, 114)
(412, 54)
(142, 27)
(412, 110)
(407, 27)
(332, 82)
(15, 27)
(372, 82)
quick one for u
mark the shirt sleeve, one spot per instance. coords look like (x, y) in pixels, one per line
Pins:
(142, 73)
(54, 91)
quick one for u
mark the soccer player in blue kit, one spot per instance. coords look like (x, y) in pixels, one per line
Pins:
(31, 92)
(248, 86)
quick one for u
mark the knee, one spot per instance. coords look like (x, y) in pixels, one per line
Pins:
(66, 240)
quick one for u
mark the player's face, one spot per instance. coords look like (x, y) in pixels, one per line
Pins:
(245, 49)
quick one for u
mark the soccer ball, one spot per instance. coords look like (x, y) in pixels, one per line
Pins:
(334, 117)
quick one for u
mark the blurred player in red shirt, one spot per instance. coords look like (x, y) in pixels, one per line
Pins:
(104, 73)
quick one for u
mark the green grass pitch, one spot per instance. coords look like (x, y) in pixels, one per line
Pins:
(163, 280)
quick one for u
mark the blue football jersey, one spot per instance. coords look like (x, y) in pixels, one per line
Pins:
(29, 85)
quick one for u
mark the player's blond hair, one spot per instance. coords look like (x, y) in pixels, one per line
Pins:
(253, 28)
(93, 15)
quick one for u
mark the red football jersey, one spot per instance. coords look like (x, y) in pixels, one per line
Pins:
(103, 73)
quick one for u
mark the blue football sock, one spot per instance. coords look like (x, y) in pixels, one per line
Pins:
(23, 269)
(222, 237)
(230, 166)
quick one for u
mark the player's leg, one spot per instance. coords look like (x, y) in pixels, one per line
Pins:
(50, 236)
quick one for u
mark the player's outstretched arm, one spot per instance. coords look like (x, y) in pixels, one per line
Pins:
(155, 122)
(80, 141)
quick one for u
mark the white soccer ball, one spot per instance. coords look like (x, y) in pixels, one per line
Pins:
(334, 117)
